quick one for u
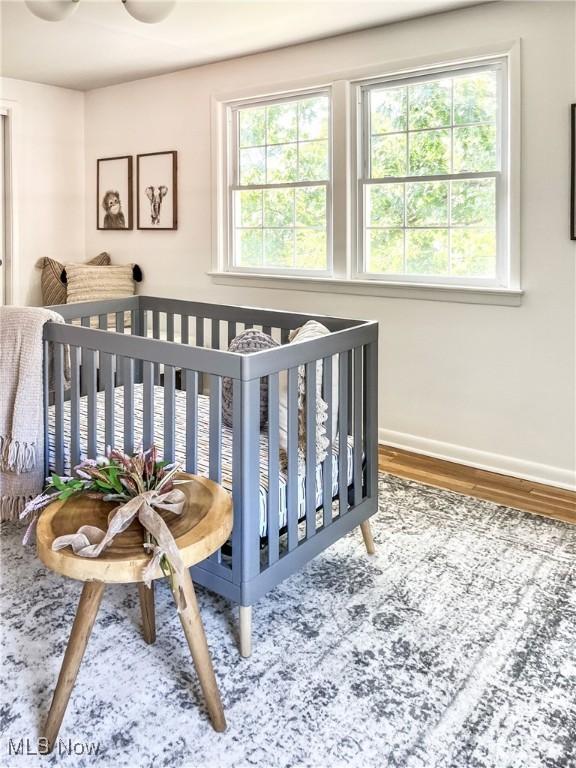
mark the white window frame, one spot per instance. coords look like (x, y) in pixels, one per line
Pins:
(233, 109)
(362, 93)
(346, 278)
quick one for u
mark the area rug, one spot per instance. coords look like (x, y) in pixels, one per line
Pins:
(453, 647)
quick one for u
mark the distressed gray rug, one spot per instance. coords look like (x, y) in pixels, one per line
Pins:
(453, 647)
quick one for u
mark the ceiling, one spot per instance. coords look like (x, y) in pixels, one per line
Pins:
(101, 44)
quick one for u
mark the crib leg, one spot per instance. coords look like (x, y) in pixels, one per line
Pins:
(246, 631)
(366, 529)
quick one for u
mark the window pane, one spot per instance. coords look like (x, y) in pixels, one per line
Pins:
(430, 104)
(249, 208)
(475, 98)
(311, 207)
(249, 247)
(252, 127)
(279, 208)
(474, 252)
(313, 118)
(313, 161)
(474, 202)
(427, 252)
(388, 110)
(475, 148)
(385, 205)
(388, 156)
(252, 166)
(281, 123)
(311, 249)
(385, 251)
(429, 153)
(282, 162)
(427, 203)
(278, 247)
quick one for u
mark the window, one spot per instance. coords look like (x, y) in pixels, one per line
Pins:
(385, 185)
(280, 196)
(431, 189)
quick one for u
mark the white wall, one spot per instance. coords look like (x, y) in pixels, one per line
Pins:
(488, 385)
(49, 179)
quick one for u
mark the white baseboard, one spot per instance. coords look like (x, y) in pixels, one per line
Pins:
(493, 462)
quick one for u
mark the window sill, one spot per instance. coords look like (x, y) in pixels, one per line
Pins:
(504, 297)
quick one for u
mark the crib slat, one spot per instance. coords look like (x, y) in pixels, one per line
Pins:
(249, 507)
(357, 400)
(58, 351)
(46, 397)
(156, 335)
(231, 331)
(199, 331)
(74, 407)
(169, 413)
(85, 322)
(236, 475)
(108, 381)
(170, 326)
(184, 329)
(284, 335)
(148, 405)
(273, 469)
(119, 322)
(327, 466)
(292, 488)
(267, 329)
(89, 365)
(310, 449)
(128, 375)
(215, 333)
(103, 322)
(215, 442)
(191, 384)
(371, 416)
(343, 432)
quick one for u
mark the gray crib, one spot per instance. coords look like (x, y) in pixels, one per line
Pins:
(150, 370)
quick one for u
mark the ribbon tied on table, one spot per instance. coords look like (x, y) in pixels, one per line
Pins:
(91, 541)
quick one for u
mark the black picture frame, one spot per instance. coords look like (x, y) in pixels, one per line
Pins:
(573, 172)
(143, 204)
(123, 187)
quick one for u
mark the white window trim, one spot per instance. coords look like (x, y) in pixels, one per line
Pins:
(345, 277)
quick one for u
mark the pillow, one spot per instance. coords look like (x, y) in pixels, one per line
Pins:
(90, 283)
(53, 289)
(250, 340)
(310, 330)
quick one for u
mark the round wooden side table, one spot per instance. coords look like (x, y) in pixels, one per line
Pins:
(200, 530)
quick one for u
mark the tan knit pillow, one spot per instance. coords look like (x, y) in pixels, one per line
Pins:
(53, 289)
(90, 283)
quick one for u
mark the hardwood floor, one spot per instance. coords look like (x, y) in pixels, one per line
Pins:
(502, 489)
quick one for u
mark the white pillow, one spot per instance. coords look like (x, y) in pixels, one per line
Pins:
(310, 330)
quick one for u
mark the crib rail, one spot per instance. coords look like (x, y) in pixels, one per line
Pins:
(173, 353)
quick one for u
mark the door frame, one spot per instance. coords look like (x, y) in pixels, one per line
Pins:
(10, 110)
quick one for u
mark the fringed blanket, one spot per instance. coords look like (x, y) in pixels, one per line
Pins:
(21, 406)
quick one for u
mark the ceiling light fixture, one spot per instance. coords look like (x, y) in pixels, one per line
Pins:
(52, 10)
(147, 11)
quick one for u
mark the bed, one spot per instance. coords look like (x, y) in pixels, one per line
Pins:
(146, 370)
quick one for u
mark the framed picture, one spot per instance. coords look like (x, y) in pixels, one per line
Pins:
(114, 193)
(157, 190)
(573, 172)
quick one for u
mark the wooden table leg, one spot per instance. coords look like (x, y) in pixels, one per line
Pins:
(366, 529)
(196, 637)
(81, 629)
(148, 612)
